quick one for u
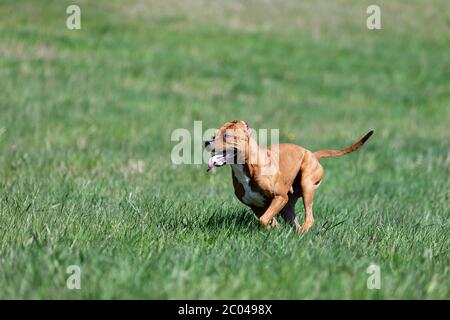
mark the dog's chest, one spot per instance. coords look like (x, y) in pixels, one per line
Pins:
(245, 193)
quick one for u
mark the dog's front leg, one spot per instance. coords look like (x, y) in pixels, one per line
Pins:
(276, 205)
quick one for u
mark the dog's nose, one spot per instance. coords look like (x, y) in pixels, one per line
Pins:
(207, 143)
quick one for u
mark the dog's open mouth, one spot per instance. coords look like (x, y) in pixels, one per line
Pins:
(220, 159)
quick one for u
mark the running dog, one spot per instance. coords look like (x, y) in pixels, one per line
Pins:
(271, 180)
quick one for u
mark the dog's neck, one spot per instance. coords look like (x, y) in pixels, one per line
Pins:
(254, 157)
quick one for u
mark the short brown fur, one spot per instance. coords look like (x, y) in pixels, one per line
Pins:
(271, 180)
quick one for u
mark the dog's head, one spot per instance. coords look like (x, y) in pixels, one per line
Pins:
(229, 144)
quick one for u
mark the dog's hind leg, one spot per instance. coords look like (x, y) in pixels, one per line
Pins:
(308, 196)
(309, 183)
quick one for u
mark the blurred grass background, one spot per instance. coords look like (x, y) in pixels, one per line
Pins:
(85, 123)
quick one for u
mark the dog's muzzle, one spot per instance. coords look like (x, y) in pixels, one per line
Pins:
(221, 158)
(209, 145)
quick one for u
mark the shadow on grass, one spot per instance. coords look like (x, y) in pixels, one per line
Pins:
(232, 220)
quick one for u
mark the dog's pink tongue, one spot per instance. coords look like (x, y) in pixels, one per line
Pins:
(215, 161)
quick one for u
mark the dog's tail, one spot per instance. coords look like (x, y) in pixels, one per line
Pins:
(337, 153)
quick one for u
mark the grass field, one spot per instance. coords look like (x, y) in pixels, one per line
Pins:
(86, 176)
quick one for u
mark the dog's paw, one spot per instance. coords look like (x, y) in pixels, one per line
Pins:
(304, 228)
(274, 224)
(269, 224)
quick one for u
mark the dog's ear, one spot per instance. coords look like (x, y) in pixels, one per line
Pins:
(249, 129)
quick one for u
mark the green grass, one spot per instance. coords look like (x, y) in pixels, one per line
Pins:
(85, 170)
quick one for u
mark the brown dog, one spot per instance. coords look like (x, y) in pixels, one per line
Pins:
(271, 180)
